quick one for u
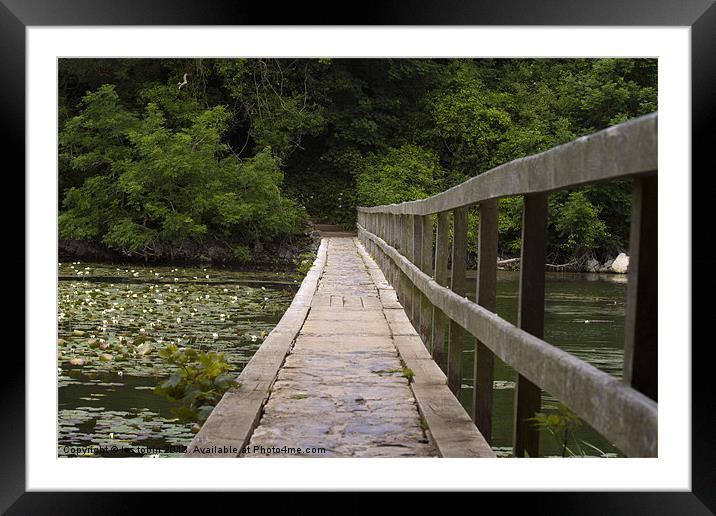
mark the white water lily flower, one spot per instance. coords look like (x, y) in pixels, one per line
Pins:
(215, 335)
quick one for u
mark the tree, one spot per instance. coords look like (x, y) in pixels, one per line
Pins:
(403, 174)
(246, 147)
(153, 189)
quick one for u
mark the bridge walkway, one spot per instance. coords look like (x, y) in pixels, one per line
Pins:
(356, 381)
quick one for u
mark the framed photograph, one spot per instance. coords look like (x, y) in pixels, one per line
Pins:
(374, 250)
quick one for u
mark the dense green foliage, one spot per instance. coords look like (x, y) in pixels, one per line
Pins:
(246, 149)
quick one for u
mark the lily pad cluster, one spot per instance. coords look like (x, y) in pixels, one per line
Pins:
(86, 427)
(113, 327)
(112, 331)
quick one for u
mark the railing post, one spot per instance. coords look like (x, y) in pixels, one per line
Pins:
(417, 259)
(426, 265)
(378, 230)
(641, 329)
(459, 262)
(403, 238)
(384, 236)
(394, 244)
(530, 317)
(409, 297)
(486, 296)
(441, 277)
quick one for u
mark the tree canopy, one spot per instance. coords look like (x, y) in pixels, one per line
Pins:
(245, 150)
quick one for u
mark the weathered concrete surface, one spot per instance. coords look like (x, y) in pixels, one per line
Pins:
(451, 428)
(230, 424)
(329, 379)
(341, 388)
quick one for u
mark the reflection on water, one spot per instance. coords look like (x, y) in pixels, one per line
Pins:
(584, 315)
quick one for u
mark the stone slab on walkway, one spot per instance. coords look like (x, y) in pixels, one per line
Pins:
(341, 388)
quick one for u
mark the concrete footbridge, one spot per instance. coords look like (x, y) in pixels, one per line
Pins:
(351, 370)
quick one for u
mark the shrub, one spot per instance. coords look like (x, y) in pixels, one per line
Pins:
(201, 379)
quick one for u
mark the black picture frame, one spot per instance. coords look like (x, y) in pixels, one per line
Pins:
(699, 15)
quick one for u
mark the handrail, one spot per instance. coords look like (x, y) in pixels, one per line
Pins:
(627, 149)
(400, 236)
(615, 410)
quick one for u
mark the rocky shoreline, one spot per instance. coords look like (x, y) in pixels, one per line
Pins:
(618, 265)
(280, 254)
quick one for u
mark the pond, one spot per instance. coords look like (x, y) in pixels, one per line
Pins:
(584, 315)
(106, 384)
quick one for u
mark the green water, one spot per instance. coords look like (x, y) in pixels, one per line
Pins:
(570, 300)
(108, 400)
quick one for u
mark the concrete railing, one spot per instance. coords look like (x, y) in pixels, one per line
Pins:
(415, 261)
